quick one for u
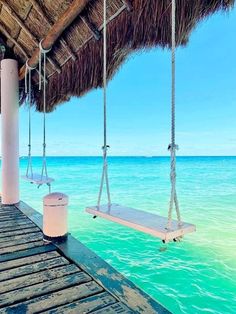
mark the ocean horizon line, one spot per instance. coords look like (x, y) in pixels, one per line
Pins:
(130, 156)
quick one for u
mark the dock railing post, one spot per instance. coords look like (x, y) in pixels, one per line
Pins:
(10, 131)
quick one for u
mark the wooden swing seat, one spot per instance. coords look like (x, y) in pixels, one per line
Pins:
(140, 220)
(38, 179)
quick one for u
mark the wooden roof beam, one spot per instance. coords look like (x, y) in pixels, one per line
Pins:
(63, 42)
(8, 36)
(86, 21)
(55, 32)
(27, 31)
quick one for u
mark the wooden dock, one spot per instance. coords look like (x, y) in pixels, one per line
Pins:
(65, 278)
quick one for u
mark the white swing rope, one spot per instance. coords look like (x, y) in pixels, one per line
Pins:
(28, 70)
(44, 161)
(105, 146)
(173, 147)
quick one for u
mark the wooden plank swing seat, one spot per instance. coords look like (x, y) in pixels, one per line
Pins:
(140, 220)
(152, 224)
(38, 179)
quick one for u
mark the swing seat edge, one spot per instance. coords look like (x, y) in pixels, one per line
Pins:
(140, 220)
(38, 179)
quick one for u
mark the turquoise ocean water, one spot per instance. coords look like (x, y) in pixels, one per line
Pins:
(197, 275)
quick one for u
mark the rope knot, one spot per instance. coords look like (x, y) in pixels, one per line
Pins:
(173, 175)
(42, 50)
(29, 67)
(173, 147)
(105, 147)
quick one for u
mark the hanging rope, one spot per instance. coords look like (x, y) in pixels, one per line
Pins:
(173, 147)
(44, 52)
(44, 161)
(105, 146)
(28, 69)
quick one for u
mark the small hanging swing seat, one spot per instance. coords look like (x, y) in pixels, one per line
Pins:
(38, 179)
(152, 224)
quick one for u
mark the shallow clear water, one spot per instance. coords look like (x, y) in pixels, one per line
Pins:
(197, 275)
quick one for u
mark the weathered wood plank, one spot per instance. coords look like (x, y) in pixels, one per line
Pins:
(36, 290)
(8, 208)
(19, 232)
(12, 219)
(86, 305)
(36, 278)
(33, 215)
(29, 237)
(9, 211)
(16, 227)
(32, 268)
(54, 299)
(11, 214)
(16, 240)
(14, 211)
(28, 260)
(27, 252)
(117, 308)
(20, 247)
(21, 222)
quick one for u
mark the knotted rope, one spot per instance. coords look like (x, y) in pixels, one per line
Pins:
(105, 146)
(43, 52)
(173, 147)
(28, 82)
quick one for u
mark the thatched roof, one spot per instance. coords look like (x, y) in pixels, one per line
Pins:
(74, 64)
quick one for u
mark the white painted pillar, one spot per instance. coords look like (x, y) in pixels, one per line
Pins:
(10, 131)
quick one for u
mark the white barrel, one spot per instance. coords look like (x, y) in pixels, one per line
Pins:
(55, 217)
(10, 131)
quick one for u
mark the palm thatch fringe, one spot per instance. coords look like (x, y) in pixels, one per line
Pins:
(133, 25)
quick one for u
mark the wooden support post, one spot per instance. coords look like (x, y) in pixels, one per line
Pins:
(10, 131)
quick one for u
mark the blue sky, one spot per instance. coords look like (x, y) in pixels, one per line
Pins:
(139, 103)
